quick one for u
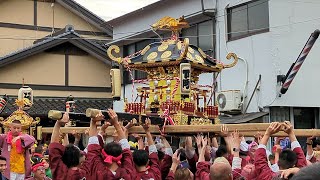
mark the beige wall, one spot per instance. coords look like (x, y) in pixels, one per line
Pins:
(15, 39)
(14, 92)
(16, 11)
(44, 68)
(22, 12)
(62, 17)
(88, 71)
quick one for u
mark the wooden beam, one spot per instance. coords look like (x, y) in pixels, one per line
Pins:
(249, 130)
(181, 128)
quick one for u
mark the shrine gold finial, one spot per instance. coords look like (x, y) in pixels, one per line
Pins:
(116, 50)
(23, 103)
(172, 24)
(229, 56)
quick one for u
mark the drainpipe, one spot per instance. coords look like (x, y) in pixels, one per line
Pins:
(213, 44)
(245, 84)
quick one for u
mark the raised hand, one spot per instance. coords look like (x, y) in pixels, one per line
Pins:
(86, 132)
(105, 125)
(146, 125)
(236, 139)
(113, 117)
(99, 117)
(288, 127)
(258, 137)
(199, 140)
(131, 123)
(224, 131)
(286, 173)
(175, 161)
(204, 142)
(176, 157)
(76, 134)
(65, 118)
(273, 128)
(140, 144)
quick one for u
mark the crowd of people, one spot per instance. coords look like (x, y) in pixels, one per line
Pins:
(224, 156)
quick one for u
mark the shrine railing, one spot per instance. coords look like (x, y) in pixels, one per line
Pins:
(212, 111)
(189, 107)
(172, 106)
(135, 108)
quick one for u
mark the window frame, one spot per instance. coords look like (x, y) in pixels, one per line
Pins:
(196, 25)
(249, 32)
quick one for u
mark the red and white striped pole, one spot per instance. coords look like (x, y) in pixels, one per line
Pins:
(3, 102)
(303, 54)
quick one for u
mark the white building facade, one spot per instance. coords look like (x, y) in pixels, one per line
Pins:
(267, 35)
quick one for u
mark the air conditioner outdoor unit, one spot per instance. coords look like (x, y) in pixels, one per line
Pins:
(229, 100)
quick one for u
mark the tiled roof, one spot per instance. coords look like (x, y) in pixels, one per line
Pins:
(41, 106)
(99, 42)
(92, 47)
(87, 15)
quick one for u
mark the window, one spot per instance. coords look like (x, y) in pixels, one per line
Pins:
(248, 19)
(279, 114)
(201, 35)
(192, 34)
(304, 118)
(206, 31)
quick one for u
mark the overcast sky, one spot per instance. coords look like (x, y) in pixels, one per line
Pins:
(109, 9)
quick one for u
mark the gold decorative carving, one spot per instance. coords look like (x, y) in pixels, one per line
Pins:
(171, 41)
(217, 120)
(190, 50)
(152, 56)
(22, 116)
(163, 47)
(202, 53)
(179, 45)
(219, 66)
(145, 49)
(184, 49)
(169, 23)
(189, 56)
(162, 72)
(166, 54)
(200, 121)
(180, 119)
(229, 56)
(116, 49)
(198, 58)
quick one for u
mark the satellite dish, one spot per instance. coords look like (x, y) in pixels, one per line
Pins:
(222, 101)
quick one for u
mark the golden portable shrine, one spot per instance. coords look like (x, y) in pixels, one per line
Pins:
(23, 102)
(171, 94)
(171, 89)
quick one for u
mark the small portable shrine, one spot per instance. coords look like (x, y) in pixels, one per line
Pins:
(171, 89)
(23, 103)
